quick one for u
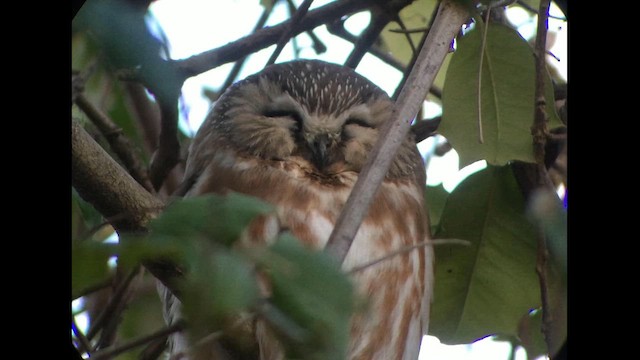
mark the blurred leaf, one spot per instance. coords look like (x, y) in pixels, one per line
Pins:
(313, 297)
(89, 265)
(142, 316)
(435, 198)
(508, 79)
(218, 217)
(120, 29)
(182, 228)
(485, 288)
(219, 286)
(530, 334)
(122, 33)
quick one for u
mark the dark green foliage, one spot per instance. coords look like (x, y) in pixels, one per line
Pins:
(485, 288)
(506, 99)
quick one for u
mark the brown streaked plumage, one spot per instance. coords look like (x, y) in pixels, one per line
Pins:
(297, 135)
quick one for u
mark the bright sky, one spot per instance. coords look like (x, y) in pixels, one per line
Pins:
(194, 26)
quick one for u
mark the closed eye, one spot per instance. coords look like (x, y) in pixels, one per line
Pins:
(359, 122)
(294, 115)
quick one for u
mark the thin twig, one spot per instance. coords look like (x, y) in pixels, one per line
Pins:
(318, 46)
(79, 79)
(539, 129)
(425, 128)
(291, 30)
(404, 30)
(214, 336)
(448, 21)
(116, 350)
(237, 66)
(83, 343)
(432, 90)
(533, 10)
(168, 153)
(407, 35)
(379, 20)
(337, 28)
(539, 132)
(268, 36)
(108, 312)
(408, 248)
(154, 349)
(119, 143)
(91, 289)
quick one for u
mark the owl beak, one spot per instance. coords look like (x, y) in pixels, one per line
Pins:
(318, 147)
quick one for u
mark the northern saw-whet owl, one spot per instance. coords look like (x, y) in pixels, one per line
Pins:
(297, 135)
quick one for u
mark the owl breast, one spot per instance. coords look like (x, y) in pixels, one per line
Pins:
(309, 206)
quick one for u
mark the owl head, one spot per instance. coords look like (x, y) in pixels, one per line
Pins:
(318, 113)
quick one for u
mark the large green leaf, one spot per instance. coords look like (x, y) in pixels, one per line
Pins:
(435, 198)
(507, 97)
(487, 287)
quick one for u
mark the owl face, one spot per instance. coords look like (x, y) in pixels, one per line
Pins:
(321, 114)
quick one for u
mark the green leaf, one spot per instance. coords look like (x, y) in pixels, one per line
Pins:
(219, 286)
(507, 92)
(314, 299)
(187, 224)
(220, 218)
(485, 288)
(89, 264)
(435, 198)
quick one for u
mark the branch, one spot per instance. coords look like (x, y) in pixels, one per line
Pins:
(337, 28)
(237, 66)
(110, 312)
(380, 19)
(118, 142)
(146, 114)
(266, 37)
(116, 350)
(425, 128)
(292, 25)
(433, 90)
(551, 293)
(409, 248)
(103, 183)
(448, 21)
(168, 153)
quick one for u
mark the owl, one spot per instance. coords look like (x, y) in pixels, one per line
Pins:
(296, 135)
